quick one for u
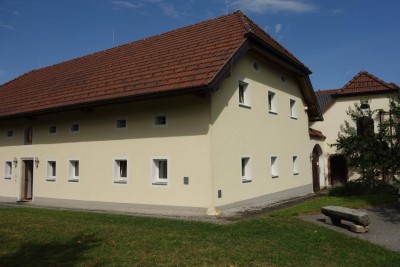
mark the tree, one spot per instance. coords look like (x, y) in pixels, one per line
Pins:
(366, 151)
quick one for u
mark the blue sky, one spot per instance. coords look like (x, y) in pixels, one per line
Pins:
(335, 38)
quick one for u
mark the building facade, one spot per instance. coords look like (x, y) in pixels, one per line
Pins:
(182, 122)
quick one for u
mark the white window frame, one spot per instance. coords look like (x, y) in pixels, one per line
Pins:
(245, 169)
(51, 126)
(293, 108)
(245, 100)
(72, 124)
(8, 166)
(49, 170)
(155, 171)
(117, 127)
(272, 102)
(117, 178)
(155, 121)
(295, 161)
(274, 163)
(72, 177)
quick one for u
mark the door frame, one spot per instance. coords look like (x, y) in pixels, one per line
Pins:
(23, 189)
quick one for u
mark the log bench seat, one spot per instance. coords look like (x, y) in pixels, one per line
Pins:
(360, 219)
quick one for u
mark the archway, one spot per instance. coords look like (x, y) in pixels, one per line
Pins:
(337, 170)
(317, 167)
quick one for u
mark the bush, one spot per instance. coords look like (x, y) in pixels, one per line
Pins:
(357, 188)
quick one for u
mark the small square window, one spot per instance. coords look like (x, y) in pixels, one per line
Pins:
(73, 171)
(8, 169)
(120, 123)
(160, 120)
(274, 167)
(75, 127)
(121, 171)
(51, 170)
(160, 171)
(53, 129)
(272, 102)
(10, 133)
(295, 165)
(244, 96)
(293, 110)
(246, 169)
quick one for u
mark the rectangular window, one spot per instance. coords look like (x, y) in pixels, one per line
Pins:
(272, 102)
(160, 171)
(293, 110)
(53, 129)
(9, 133)
(160, 120)
(295, 165)
(274, 167)
(75, 128)
(244, 96)
(121, 171)
(120, 123)
(73, 171)
(51, 170)
(28, 135)
(246, 169)
(8, 169)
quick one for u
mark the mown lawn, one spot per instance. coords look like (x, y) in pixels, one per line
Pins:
(37, 237)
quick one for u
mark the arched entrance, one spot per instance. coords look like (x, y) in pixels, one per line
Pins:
(337, 170)
(316, 167)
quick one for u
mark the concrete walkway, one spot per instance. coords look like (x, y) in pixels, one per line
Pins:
(384, 229)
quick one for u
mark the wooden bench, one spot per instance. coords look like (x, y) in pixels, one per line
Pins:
(336, 214)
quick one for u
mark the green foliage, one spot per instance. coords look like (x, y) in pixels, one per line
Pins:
(358, 188)
(370, 153)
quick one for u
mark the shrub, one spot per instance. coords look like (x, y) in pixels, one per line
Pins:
(356, 188)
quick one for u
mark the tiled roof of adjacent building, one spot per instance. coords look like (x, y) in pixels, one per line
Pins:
(192, 58)
(315, 133)
(325, 97)
(363, 83)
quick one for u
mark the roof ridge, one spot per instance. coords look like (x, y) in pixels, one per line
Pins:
(370, 75)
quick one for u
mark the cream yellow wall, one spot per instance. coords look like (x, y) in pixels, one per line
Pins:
(254, 132)
(185, 142)
(335, 116)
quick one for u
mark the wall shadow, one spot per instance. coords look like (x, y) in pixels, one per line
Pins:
(68, 253)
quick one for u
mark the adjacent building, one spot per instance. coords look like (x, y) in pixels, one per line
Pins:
(362, 88)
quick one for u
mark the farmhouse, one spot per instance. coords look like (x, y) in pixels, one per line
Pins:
(364, 87)
(200, 119)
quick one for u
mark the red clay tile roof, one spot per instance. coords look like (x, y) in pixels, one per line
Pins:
(365, 82)
(315, 133)
(185, 59)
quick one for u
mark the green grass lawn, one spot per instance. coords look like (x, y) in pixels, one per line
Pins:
(37, 237)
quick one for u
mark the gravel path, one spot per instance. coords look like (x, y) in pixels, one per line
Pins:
(384, 229)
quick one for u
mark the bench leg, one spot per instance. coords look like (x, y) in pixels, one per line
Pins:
(332, 221)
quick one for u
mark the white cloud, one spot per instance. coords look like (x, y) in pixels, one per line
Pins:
(336, 12)
(167, 8)
(126, 4)
(273, 6)
(5, 26)
(278, 28)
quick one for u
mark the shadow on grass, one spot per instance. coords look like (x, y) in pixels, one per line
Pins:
(66, 253)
